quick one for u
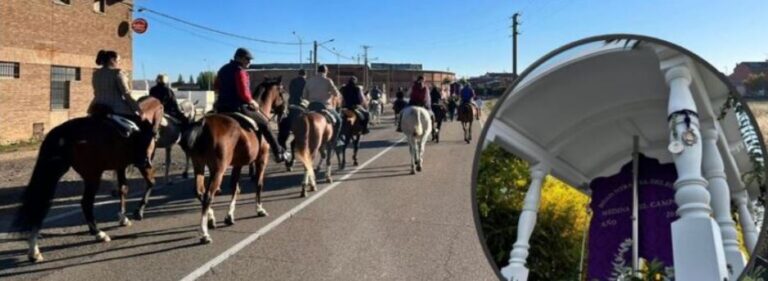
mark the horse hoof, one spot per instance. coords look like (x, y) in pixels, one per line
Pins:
(229, 220)
(103, 237)
(312, 188)
(290, 169)
(125, 222)
(205, 240)
(418, 168)
(261, 213)
(329, 180)
(356, 163)
(212, 224)
(138, 215)
(36, 257)
(413, 171)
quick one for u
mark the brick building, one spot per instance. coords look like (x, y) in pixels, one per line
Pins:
(743, 70)
(47, 53)
(387, 76)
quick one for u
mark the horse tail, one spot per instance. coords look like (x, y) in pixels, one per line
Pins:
(53, 160)
(196, 136)
(419, 130)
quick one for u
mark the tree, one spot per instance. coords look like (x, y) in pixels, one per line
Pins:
(205, 80)
(191, 80)
(756, 83)
(447, 81)
(180, 80)
(556, 241)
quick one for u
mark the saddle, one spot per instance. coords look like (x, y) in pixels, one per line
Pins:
(320, 108)
(167, 118)
(126, 127)
(246, 122)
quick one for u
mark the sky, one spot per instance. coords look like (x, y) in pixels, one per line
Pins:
(469, 38)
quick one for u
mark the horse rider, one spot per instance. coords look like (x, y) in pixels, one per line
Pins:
(162, 92)
(112, 95)
(419, 97)
(295, 91)
(320, 91)
(353, 99)
(376, 94)
(233, 87)
(468, 97)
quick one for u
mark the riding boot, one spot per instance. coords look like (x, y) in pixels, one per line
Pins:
(277, 150)
(365, 121)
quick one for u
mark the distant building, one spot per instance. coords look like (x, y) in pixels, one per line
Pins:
(47, 53)
(493, 82)
(388, 77)
(742, 71)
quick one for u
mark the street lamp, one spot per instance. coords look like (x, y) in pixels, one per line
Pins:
(301, 43)
(338, 67)
(315, 51)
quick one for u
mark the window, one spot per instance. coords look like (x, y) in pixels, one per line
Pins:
(9, 69)
(99, 6)
(61, 77)
(62, 2)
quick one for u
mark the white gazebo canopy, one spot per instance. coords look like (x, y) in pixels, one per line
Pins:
(575, 114)
(579, 111)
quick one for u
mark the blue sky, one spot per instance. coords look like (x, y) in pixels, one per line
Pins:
(467, 37)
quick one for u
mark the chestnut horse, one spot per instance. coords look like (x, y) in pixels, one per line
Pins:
(467, 114)
(90, 146)
(351, 131)
(312, 133)
(219, 141)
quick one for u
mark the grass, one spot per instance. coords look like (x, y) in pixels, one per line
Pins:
(20, 146)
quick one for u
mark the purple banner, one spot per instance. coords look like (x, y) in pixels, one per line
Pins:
(610, 231)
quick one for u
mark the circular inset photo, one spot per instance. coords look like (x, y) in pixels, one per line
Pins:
(622, 157)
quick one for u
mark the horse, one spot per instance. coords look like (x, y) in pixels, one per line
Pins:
(312, 132)
(376, 108)
(170, 134)
(89, 145)
(467, 113)
(397, 107)
(417, 125)
(440, 112)
(451, 108)
(351, 131)
(219, 141)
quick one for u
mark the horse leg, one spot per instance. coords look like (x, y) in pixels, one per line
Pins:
(289, 162)
(89, 196)
(261, 168)
(123, 190)
(309, 169)
(149, 180)
(166, 179)
(185, 173)
(412, 149)
(234, 183)
(357, 146)
(199, 170)
(207, 218)
(328, 168)
(34, 254)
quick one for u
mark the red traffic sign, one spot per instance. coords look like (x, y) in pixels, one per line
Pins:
(139, 25)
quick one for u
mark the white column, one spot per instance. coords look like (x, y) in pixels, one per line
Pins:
(714, 171)
(516, 270)
(696, 241)
(741, 199)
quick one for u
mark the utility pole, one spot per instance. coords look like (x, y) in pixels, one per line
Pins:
(314, 60)
(365, 65)
(515, 23)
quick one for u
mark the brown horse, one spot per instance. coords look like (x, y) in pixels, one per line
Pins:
(351, 131)
(311, 132)
(219, 141)
(90, 146)
(467, 114)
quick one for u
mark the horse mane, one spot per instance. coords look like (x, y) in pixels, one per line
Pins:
(268, 82)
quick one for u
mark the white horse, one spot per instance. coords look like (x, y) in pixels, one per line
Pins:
(170, 135)
(417, 127)
(376, 108)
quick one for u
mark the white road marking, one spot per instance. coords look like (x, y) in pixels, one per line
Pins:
(197, 273)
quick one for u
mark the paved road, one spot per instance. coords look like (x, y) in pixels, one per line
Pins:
(378, 223)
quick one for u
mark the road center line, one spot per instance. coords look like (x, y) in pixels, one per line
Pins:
(248, 240)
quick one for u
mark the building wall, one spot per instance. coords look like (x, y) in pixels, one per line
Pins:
(40, 33)
(391, 79)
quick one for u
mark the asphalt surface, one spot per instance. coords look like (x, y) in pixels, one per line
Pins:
(378, 223)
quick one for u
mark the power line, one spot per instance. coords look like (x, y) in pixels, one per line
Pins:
(143, 9)
(337, 53)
